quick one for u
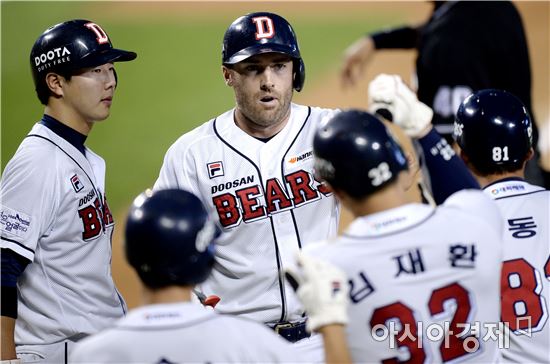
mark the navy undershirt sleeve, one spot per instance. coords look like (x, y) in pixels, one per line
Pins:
(12, 267)
(448, 173)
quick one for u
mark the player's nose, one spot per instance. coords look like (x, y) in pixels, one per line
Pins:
(111, 80)
(268, 79)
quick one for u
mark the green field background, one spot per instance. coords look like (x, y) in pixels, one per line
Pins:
(174, 85)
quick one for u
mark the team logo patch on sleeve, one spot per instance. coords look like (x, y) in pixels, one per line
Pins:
(77, 185)
(13, 222)
(215, 169)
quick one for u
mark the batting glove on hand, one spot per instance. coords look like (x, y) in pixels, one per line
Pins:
(323, 290)
(389, 92)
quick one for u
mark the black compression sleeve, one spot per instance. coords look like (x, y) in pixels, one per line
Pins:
(397, 38)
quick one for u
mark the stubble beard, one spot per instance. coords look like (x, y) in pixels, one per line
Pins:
(255, 114)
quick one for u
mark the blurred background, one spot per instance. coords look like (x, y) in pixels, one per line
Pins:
(176, 82)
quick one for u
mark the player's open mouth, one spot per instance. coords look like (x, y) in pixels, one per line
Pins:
(267, 98)
(107, 100)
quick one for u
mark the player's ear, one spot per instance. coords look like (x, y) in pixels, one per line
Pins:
(227, 76)
(55, 83)
(462, 155)
(530, 154)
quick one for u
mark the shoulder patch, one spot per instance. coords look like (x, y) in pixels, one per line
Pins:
(13, 222)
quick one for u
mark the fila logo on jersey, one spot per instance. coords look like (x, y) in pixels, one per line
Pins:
(215, 169)
(96, 217)
(251, 203)
(264, 27)
(77, 185)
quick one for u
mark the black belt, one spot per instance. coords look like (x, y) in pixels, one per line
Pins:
(292, 331)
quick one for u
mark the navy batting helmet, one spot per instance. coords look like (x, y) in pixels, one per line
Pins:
(262, 32)
(355, 152)
(494, 130)
(70, 46)
(169, 238)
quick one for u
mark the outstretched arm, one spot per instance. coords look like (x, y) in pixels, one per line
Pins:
(389, 96)
(360, 52)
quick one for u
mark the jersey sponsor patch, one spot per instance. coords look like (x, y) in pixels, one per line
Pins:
(215, 169)
(14, 222)
(301, 157)
(508, 189)
(77, 185)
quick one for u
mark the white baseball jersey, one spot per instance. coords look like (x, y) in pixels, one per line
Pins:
(419, 277)
(54, 213)
(266, 200)
(526, 268)
(184, 333)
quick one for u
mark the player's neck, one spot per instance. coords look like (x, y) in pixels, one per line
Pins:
(389, 197)
(259, 131)
(171, 294)
(492, 178)
(69, 118)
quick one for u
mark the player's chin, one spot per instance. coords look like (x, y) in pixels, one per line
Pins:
(104, 114)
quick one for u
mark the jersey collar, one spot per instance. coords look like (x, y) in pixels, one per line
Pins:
(65, 132)
(509, 187)
(390, 221)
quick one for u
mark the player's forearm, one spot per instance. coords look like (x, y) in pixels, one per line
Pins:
(336, 346)
(8, 344)
(442, 162)
(404, 37)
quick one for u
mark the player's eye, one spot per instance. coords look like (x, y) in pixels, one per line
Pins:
(251, 68)
(279, 66)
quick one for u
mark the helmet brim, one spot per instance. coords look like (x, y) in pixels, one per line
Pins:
(108, 56)
(260, 49)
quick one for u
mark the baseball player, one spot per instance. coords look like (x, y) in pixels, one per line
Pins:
(464, 46)
(170, 243)
(494, 132)
(423, 282)
(494, 135)
(252, 166)
(55, 223)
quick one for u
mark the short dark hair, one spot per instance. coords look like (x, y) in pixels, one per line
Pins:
(43, 92)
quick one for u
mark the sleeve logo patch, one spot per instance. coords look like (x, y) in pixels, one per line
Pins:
(77, 185)
(13, 222)
(215, 169)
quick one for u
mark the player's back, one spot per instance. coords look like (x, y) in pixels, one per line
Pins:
(526, 268)
(419, 271)
(184, 333)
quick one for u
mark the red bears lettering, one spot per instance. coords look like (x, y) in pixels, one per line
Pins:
(250, 202)
(91, 221)
(301, 185)
(275, 195)
(95, 218)
(226, 205)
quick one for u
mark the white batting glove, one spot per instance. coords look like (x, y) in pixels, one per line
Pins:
(322, 289)
(391, 93)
